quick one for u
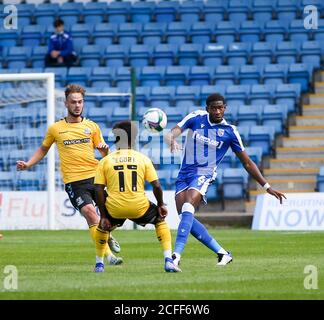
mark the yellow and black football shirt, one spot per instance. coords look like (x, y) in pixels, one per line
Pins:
(76, 143)
(124, 173)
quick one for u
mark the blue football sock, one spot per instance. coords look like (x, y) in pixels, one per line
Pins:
(200, 232)
(184, 228)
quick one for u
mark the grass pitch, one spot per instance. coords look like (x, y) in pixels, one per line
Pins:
(267, 265)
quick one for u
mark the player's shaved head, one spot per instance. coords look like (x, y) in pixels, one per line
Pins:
(74, 88)
(125, 133)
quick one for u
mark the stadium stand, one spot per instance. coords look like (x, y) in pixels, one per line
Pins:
(256, 53)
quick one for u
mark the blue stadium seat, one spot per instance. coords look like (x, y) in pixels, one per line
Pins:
(128, 33)
(274, 31)
(162, 97)
(310, 53)
(115, 101)
(33, 136)
(9, 137)
(176, 75)
(152, 33)
(319, 32)
(26, 12)
(287, 52)
(60, 75)
(32, 35)
(262, 53)
(123, 77)
(117, 12)
(91, 100)
(231, 112)
(213, 54)
(140, 55)
(237, 94)
(164, 54)
(250, 31)
(46, 13)
(100, 115)
(91, 55)
(115, 55)
(202, 32)
(225, 75)
(174, 114)
(79, 75)
(298, 32)
(238, 10)
(38, 56)
(275, 73)
(8, 38)
(7, 181)
(300, 73)
(18, 57)
(177, 32)
(103, 34)
(262, 10)
(164, 178)
(213, 10)
(200, 75)
(262, 136)
(94, 12)
(225, 32)
(186, 96)
(22, 116)
(286, 10)
(234, 183)
(249, 115)
(213, 192)
(288, 94)
(238, 53)
(142, 97)
(29, 181)
(70, 12)
(227, 161)
(255, 153)
(190, 11)
(261, 93)
(250, 74)
(274, 115)
(141, 12)
(80, 35)
(319, 180)
(151, 76)
(208, 90)
(244, 133)
(119, 114)
(165, 11)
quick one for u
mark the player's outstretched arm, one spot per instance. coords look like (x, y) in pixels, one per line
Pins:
(254, 171)
(39, 154)
(171, 138)
(158, 193)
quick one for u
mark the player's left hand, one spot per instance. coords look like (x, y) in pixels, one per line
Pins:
(103, 147)
(277, 194)
(163, 211)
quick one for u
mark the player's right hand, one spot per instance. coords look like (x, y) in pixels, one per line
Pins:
(104, 223)
(22, 165)
(163, 211)
(175, 146)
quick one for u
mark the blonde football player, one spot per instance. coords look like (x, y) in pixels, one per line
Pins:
(76, 138)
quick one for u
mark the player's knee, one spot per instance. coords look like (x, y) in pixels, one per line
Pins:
(89, 212)
(188, 207)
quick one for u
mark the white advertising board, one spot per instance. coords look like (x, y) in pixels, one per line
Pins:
(21, 210)
(300, 211)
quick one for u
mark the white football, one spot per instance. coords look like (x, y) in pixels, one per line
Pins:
(154, 120)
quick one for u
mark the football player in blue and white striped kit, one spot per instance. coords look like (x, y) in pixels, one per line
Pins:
(208, 139)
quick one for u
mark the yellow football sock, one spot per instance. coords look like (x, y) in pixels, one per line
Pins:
(92, 230)
(102, 247)
(164, 235)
